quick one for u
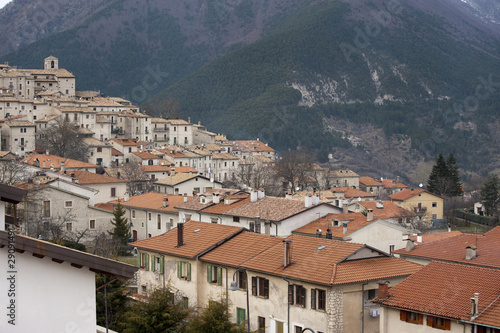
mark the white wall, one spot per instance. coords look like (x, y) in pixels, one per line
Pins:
(50, 297)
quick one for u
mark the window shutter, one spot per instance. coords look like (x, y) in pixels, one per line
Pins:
(313, 299)
(188, 271)
(266, 288)
(179, 269)
(402, 315)
(161, 264)
(254, 285)
(420, 318)
(447, 324)
(430, 320)
(139, 259)
(219, 276)
(303, 297)
(153, 264)
(290, 294)
(147, 262)
(209, 273)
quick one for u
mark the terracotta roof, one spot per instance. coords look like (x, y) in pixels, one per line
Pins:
(385, 209)
(453, 249)
(124, 142)
(409, 193)
(145, 155)
(85, 177)
(427, 238)
(183, 169)
(195, 243)
(355, 221)
(93, 142)
(105, 206)
(152, 200)
(156, 168)
(222, 207)
(322, 260)
(223, 156)
(177, 178)
(115, 152)
(60, 72)
(369, 181)
(251, 146)
(178, 122)
(353, 193)
(428, 292)
(392, 183)
(194, 204)
(249, 244)
(343, 173)
(173, 153)
(56, 162)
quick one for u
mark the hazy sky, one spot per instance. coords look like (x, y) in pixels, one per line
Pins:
(3, 3)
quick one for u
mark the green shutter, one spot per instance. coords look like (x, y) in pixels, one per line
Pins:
(240, 315)
(179, 269)
(161, 264)
(139, 259)
(209, 273)
(153, 264)
(147, 263)
(219, 276)
(254, 285)
(188, 271)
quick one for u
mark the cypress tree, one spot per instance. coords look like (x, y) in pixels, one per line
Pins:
(435, 183)
(121, 232)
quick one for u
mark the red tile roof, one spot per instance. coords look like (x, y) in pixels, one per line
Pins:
(153, 200)
(56, 162)
(145, 155)
(105, 206)
(453, 249)
(85, 177)
(408, 193)
(125, 142)
(355, 221)
(427, 238)
(115, 152)
(388, 210)
(392, 183)
(353, 193)
(445, 289)
(195, 243)
(251, 145)
(369, 181)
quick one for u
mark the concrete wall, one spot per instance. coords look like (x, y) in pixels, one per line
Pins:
(380, 235)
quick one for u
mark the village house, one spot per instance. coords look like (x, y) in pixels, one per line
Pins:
(201, 259)
(108, 188)
(343, 195)
(18, 137)
(392, 186)
(144, 158)
(151, 214)
(98, 152)
(55, 285)
(56, 163)
(125, 146)
(426, 205)
(343, 178)
(440, 297)
(185, 184)
(368, 184)
(243, 149)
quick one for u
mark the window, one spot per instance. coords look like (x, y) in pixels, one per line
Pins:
(185, 302)
(391, 249)
(46, 208)
(143, 260)
(240, 315)
(69, 226)
(370, 294)
(158, 221)
(187, 217)
(133, 214)
(297, 295)
(255, 227)
(214, 220)
(99, 149)
(260, 287)
(92, 224)
(68, 204)
(184, 270)
(113, 191)
(318, 299)
(434, 204)
(434, 216)
(242, 280)
(437, 322)
(144, 288)
(149, 216)
(297, 329)
(157, 264)
(236, 219)
(262, 323)
(411, 317)
(214, 274)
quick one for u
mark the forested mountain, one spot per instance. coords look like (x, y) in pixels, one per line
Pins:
(382, 85)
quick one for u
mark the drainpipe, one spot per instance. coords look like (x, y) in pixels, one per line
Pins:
(363, 307)
(163, 265)
(227, 294)
(288, 307)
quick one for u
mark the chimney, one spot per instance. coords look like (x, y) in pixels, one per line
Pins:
(288, 195)
(449, 229)
(318, 233)
(419, 237)
(380, 204)
(474, 309)
(172, 171)
(345, 208)
(253, 196)
(471, 252)
(308, 201)
(316, 198)
(261, 194)
(383, 289)
(344, 228)
(369, 215)
(405, 236)
(216, 198)
(43, 165)
(185, 198)
(287, 253)
(165, 201)
(63, 169)
(329, 233)
(180, 234)
(409, 245)
(411, 191)
(46, 152)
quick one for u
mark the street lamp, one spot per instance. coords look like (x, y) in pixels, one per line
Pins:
(234, 286)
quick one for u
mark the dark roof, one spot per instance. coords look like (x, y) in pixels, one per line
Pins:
(78, 259)
(11, 194)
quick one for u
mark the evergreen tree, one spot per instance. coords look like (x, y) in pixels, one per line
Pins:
(490, 194)
(214, 319)
(436, 182)
(121, 232)
(160, 313)
(117, 301)
(454, 177)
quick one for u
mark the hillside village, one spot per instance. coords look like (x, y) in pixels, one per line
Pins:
(327, 250)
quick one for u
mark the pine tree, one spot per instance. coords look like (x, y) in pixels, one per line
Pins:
(214, 319)
(121, 232)
(436, 183)
(490, 194)
(454, 177)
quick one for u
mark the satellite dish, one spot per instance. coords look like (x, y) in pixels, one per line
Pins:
(211, 180)
(297, 189)
(420, 185)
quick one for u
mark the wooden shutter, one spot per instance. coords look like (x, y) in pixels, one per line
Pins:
(420, 318)
(209, 273)
(161, 264)
(290, 294)
(146, 264)
(219, 276)
(179, 269)
(188, 271)
(313, 299)
(447, 324)
(254, 285)
(430, 320)
(266, 288)
(303, 297)
(402, 315)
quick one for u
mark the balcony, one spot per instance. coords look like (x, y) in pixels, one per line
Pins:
(420, 209)
(159, 129)
(118, 131)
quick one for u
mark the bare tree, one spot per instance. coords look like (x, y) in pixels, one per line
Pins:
(258, 176)
(137, 180)
(13, 172)
(166, 107)
(294, 166)
(62, 138)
